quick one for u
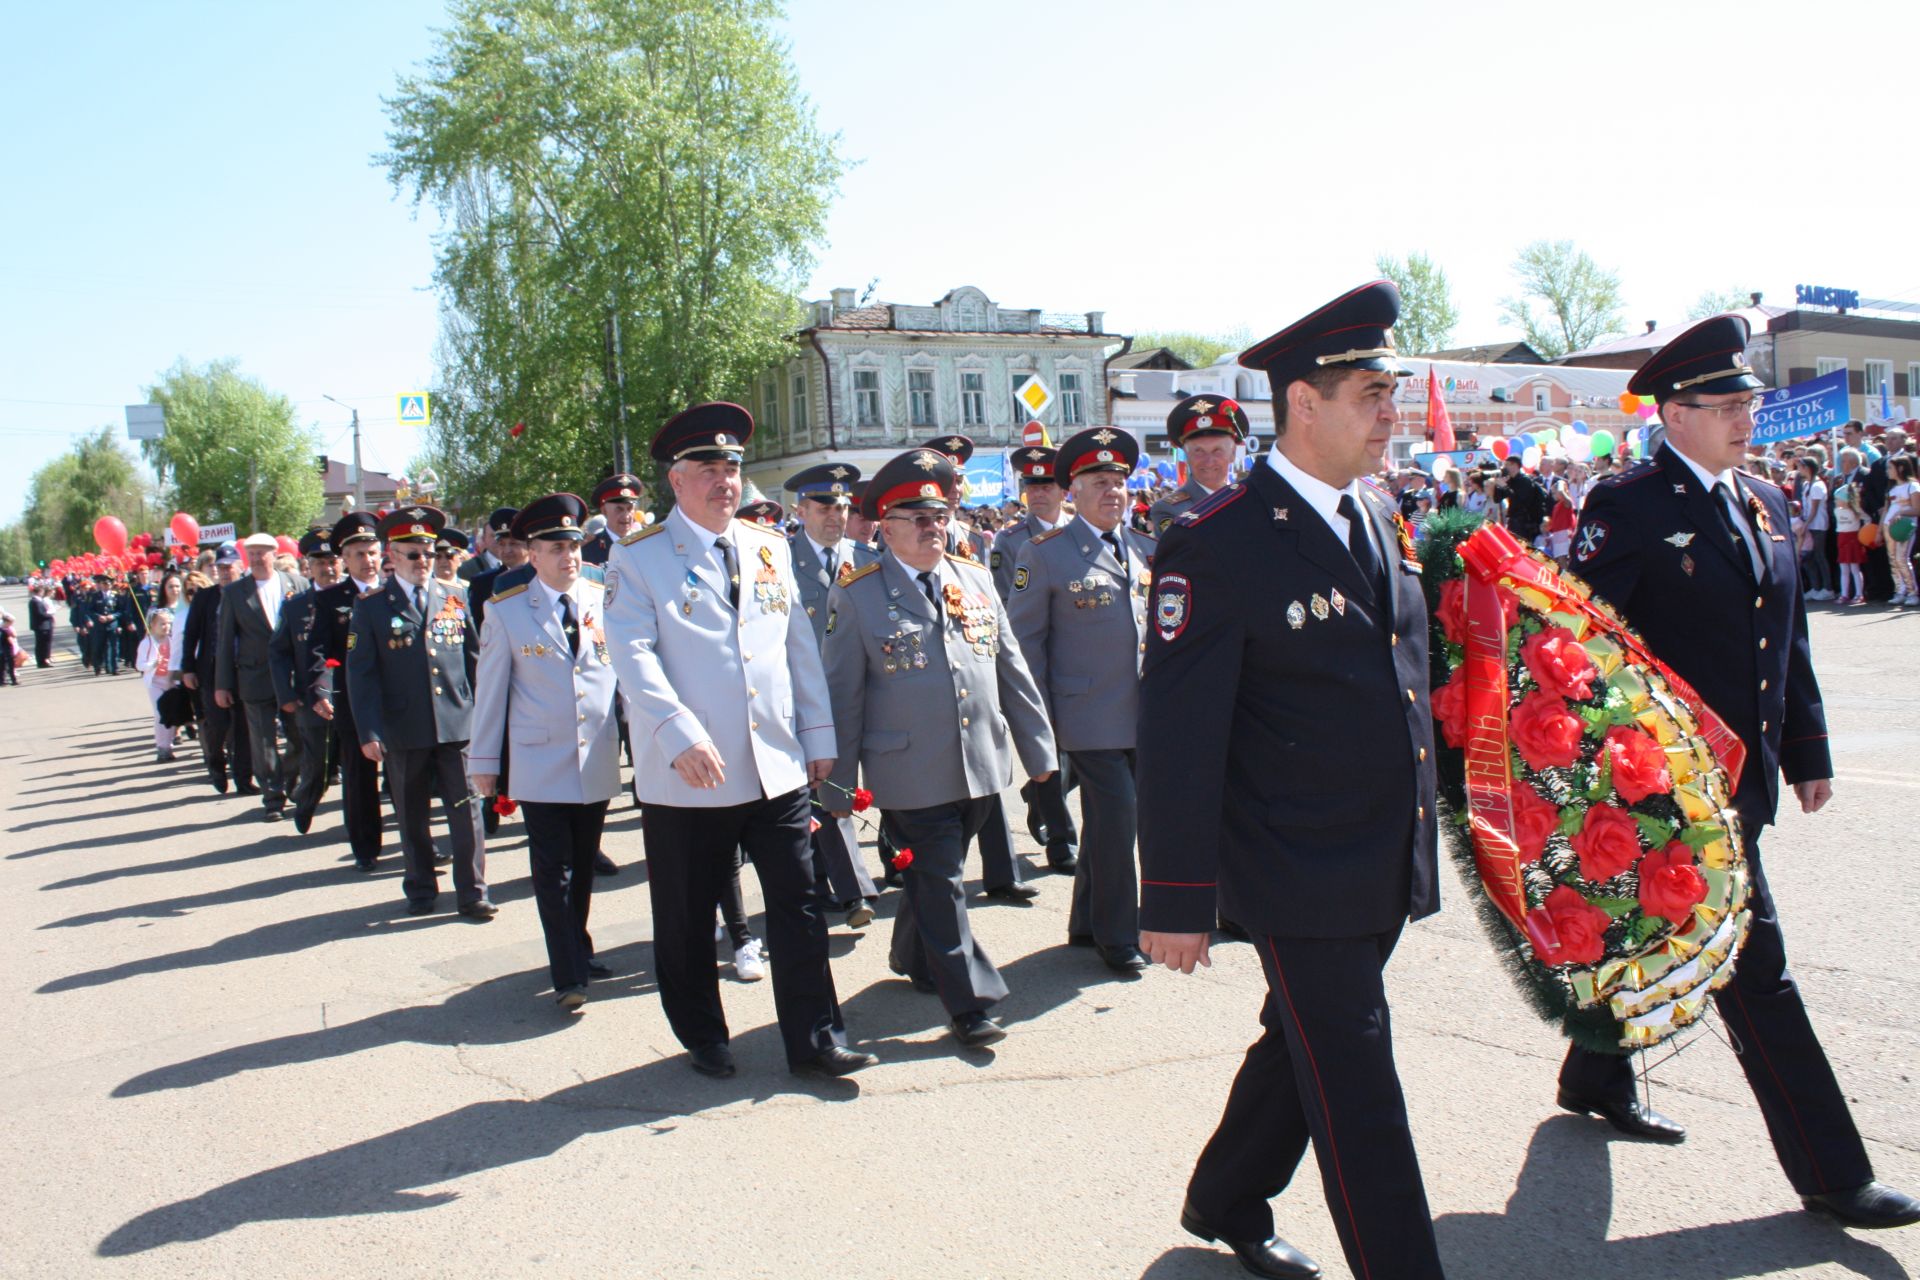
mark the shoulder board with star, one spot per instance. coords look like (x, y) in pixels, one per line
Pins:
(969, 561)
(1178, 495)
(1759, 482)
(1039, 538)
(510, 592)
(1213, 502)
(638, 534)
(1638, 471)
(858, 574)
(1376, 486)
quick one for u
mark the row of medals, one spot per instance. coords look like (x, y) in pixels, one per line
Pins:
(1097, 591)
(1297, 613)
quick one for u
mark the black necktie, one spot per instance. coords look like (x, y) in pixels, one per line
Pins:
(1739, 529)
(732, 569)
(1113, 541)
(569, 624)
(420, 602)
(832, 564)
(1360, 543)
(926, 585)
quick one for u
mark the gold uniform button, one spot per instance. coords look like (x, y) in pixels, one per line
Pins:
(1393, 640)
(583, 717)
(1422, 757)
(1763, 726)
(963, 693)
(746, 657)
(753, 693)
(1410, 697)
(964, 722)
(1143, 648)
(1763, 642)
(1763, 686)
(755, 725)
(1421, 813)
(1757, 602)
(579, 693)
(436, 689)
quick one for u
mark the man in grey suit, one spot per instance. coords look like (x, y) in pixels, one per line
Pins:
(1048, 820)
(289, 657)
(728, 714)
(410, 657)
(250, 610)
(545, 682)
(1079, 608)
(932, 701)
(822, 556)
(1209, 430)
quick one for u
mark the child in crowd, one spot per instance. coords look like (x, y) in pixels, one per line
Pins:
(1852, 552)
(1899, 521)
(159, 665)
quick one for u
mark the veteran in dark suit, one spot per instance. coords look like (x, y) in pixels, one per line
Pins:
(1079, 609)
(1209, 430)
(933, 703)
(356, 539)
(223, 731)
(249, 612)
(1286, 770)
(1698, 557)
(727, 708)
(289, 655)
(410, 659)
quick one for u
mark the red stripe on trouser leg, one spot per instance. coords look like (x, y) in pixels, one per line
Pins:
(1753, 1034)
(1333, 1146)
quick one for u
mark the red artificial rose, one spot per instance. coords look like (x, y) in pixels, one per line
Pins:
(333, 662)
(1547, 734)
(1558, 663)
(902, 859)
(862, 799)
(1671, 885)
(1608, 842)
(505, 806)
(1534, 819)
(1449, 703)
(1639, 765)
(1452, 611)
(1567, 929)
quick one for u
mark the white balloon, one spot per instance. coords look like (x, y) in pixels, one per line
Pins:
(1531, 458)
(1579, 449)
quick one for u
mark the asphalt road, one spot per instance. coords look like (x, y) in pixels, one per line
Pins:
(228, 1054)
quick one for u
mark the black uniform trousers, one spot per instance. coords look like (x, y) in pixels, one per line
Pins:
(310, 780)
(224, 745)
(1323, 1071)
(43, 647)
(416, 774)
(690, 855)
(275, 767)
(999, 869)
(932, 938)
(1806, 1113)
(836, 860)
(359, 787)
(1047, 805)
(561, 842)
(1106, 883)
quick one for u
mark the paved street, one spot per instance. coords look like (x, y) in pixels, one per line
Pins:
(228, 1054)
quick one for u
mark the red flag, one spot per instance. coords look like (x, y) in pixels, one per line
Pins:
(1439, 425)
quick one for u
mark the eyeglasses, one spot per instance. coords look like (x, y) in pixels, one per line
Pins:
(936, 520)
(411, 555)
(1738, 409)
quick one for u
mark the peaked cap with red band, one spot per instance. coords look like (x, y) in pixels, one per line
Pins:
(919, 479)
(413, 524)
(1206, 415)
(1097, 449)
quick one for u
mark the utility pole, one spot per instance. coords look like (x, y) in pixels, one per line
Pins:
(359, 472)
(619, 380)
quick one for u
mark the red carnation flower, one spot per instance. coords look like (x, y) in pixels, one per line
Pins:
(1558, 663)
(1671, 884)
(1534, 819)
(862, 799)
(1567, 929)
(518, 429)
(333, 662)
(505, 806)
(1639, 763)
(902, 859)
(1546, 733)
(1608, 842)
(1449, 703)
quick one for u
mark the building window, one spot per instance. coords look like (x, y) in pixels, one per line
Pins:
(770, 407)
(1879, 371)
(1913, 387)
(1542, 400)
(973, 400)
(920, 397)
(866, 397)
(1824, 365)
(1073, 401)
(1020, 414)
(800, 403)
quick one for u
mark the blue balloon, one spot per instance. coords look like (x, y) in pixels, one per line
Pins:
(1580, 427)
(1522, 442)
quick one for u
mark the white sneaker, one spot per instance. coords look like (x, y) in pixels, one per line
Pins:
(748, 964)
(1820, 595)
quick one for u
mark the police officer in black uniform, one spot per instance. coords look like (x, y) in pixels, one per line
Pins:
(1698, 556)
(290, 665)
(357, 542)
(1289, 646)
(618, 497)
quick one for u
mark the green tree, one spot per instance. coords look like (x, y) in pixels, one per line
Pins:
(16, 551)
(1715, 302)
(650, 162)
(66, 496)
(1197, 349)
(1581, 298)
(1427, 313)
(232, 448)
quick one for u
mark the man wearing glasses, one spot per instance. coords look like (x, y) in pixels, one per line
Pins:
(1698, 557)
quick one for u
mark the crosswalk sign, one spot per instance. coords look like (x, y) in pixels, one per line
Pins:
(415, 408)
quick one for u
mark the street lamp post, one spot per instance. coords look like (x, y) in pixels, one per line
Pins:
(359, 475)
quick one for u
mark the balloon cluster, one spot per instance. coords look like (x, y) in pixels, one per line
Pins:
(1575, 442)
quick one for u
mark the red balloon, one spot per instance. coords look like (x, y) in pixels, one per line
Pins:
(110, 534)
(185, 528)
(155, 559)
(287, 545)
(1500, 449)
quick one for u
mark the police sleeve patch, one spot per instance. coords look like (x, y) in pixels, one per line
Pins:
(612, 583)
(1020, 578)
(1592, 537)
(996, 559)
(1173, 606)
(833, 615)
(351, 637)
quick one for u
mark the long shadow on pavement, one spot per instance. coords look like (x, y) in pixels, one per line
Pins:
(274, 838)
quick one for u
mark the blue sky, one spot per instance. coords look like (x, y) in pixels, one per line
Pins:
(195, 179)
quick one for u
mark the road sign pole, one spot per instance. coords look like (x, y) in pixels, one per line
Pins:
(359, 473)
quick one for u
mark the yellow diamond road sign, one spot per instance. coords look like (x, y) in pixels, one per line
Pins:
(415, 408)
(1034, 395)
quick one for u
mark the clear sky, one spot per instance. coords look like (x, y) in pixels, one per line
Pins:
(196, 179)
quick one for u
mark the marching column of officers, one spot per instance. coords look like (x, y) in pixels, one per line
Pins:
(759, 681)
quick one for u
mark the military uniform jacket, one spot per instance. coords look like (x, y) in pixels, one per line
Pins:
(932, 704)
(325, 657)
(1653, 545)
(1286, 745)
(693, 669)
(245, 635)
(288, 655)
(596, 549)
(1082, 624)
(1006, 549)
(410, 672)
(1176, 504)
(555, 707)
(811, 573)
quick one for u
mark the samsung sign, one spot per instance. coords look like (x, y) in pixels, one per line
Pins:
(1819, 295)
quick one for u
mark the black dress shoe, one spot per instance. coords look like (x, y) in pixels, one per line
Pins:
(605, 866)
(570, 998)
(419, 906)
(244, 789)
(1270, 1257)
(1629, 1115)
(220, 783)
(442, 859)
(712, 1060)
(364, 866)
(833, 1063)
(1871, 1205)
(489, 820)
(1125, 959)
(1062, 858)
(271, 815)
(976, 1029)
(1013, 892)
(481, 910)
(303, 820)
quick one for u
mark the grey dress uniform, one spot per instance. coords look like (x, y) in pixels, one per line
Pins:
(408, 670)
(1047, 815)
(1080, 615)
(1006, 549)
(288, 656)
(933, 705)
(1170, 508)
(552, 697)
(246, 632)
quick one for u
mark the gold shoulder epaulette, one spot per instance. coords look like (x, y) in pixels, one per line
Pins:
(511, 591)
(638, 534)
(1178, 495)
(1039, 538)
(860, 573)
(966, 560)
